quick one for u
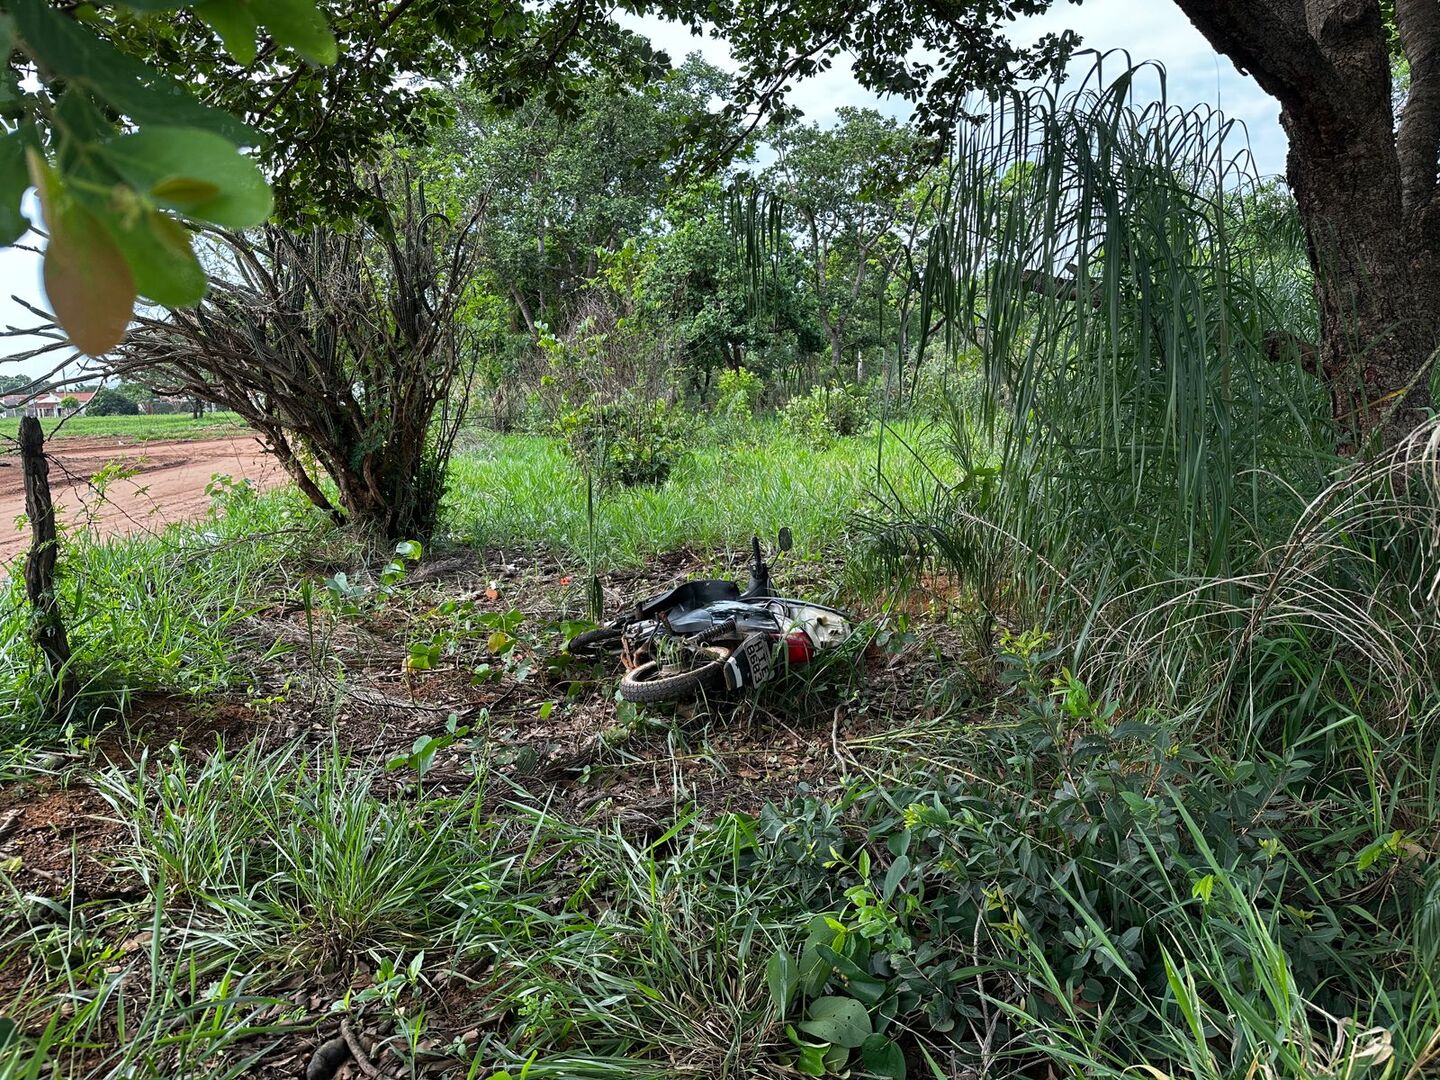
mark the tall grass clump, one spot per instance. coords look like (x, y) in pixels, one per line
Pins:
(519, 491)
(1147, 469)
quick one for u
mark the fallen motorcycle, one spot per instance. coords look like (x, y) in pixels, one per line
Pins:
(706, 632)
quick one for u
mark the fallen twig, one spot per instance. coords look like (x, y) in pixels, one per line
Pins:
(357, 1052)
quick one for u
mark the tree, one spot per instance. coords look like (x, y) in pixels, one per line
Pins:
(70, 403)
(688, 285)
(1366, 188)
(561, 191)
(844, 186)
(109, 402)
(129, 78)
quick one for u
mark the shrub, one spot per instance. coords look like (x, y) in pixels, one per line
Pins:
(827, 413)
(629, 441)
(1061, 886)
(349, 350)
(109, 402)
(737, 393)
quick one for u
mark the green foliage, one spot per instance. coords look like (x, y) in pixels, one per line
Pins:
(629, 441)
(827, 413)
(121, 154)
(737, 393)
(109, 402)
(159, 612)
(1060, 895)
(520, 492)
(140, 428)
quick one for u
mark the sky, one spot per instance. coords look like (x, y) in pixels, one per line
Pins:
(1147, 29)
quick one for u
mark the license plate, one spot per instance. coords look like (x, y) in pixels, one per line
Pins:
(751, 665)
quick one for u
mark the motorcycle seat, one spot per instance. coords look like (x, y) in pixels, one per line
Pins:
(689, 596)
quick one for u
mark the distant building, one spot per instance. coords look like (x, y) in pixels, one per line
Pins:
(46, 405)
(174, 403)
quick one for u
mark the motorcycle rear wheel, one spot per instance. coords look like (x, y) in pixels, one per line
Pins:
(653, 681)
(594, 643)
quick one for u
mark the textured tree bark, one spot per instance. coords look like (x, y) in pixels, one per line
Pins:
(48, 627)
(1366, 193)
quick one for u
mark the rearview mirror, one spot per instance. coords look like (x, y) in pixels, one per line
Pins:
(785, 541)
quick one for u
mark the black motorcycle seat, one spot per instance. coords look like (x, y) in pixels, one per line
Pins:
(689, 596)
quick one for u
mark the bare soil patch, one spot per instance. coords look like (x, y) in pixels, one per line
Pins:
(159, 482)
(54, 839)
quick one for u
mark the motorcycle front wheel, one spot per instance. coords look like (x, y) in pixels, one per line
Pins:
(654, 681)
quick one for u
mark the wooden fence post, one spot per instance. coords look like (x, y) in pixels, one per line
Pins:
(48, 627)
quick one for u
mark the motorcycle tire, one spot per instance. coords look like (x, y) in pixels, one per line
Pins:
(652, 681)
(597, 642)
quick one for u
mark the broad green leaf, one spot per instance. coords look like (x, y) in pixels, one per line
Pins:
(68, 51)
(839, 1020)
(194, 171)
(810, 1058)
(835, 1059)
(782, 976)
(810, 1061)
(184, 191)
(157, 249)
(87, 280)
(14, 179)
(814, 968)
(894, 876)
(235, 23)
(8, 1029)
(299, 24)
(883, 1057)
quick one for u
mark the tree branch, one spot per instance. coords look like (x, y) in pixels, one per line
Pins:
(1418, 141)
(1272, 42)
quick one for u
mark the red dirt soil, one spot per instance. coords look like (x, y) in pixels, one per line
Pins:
(168, 486)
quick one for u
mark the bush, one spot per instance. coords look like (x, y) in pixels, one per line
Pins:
(109, 402)
(828, 413)
(630, 441)
(737, 393)
(1052, 897)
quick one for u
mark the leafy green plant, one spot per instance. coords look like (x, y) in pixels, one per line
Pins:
(827, 413)
(107, 402)
(629, 441)
(352, 598)
(422, 753)
(737, 393)
(122, 155)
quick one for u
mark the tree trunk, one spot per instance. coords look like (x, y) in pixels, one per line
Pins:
(1366, 192)
(1377, 316)
(48, 627)
(837, 348)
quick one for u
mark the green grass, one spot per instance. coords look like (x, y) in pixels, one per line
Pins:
(160, 612)
(522, 491)
(142, 428)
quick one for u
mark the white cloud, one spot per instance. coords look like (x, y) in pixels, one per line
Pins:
(1194, 73)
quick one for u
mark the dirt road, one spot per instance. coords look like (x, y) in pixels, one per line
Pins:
(168, 483)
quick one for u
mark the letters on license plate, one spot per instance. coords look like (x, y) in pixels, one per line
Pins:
(751, 664)
(758, 654)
